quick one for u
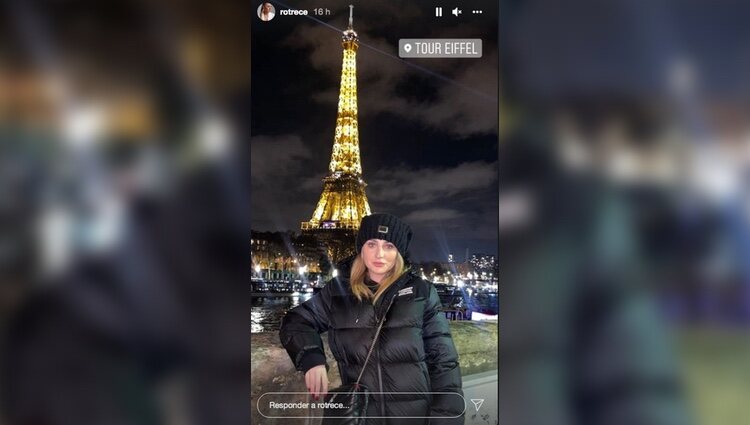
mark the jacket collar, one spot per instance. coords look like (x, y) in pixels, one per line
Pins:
(394, 288)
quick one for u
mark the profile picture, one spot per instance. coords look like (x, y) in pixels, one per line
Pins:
(266, 11)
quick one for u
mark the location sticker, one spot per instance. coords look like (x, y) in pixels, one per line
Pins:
(440, 48)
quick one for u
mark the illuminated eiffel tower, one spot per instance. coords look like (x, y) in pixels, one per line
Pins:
(343, 202)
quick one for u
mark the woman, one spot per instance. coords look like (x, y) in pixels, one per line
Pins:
(414, 355)
(267, 12)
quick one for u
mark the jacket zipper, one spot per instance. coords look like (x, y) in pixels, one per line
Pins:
(382, 396)
(380, 371)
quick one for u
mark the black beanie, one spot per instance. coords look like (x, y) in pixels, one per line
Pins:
(386, 227)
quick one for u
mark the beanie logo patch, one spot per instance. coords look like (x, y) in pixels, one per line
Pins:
(382, 229)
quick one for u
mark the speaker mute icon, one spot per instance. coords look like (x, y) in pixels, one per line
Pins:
(456, 11)
(477, 402)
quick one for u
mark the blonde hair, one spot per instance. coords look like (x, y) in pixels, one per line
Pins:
(359, 272)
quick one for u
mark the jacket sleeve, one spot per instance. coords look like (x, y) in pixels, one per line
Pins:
(301, 329)
(442, 365)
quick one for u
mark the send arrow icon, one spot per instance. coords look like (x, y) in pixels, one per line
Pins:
(477, 402)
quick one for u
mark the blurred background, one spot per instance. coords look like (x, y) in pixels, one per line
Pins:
(624, 220)
(624, 227)
(124, 249)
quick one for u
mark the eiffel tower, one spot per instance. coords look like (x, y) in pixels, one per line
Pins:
(343, 202)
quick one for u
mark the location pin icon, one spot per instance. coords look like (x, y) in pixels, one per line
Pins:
(407, 47)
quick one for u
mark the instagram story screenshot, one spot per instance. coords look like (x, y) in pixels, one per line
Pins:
(361, 167)
(374, 199)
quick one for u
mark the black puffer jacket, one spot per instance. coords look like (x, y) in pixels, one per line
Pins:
(415, 353)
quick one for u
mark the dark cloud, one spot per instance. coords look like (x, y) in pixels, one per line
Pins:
(409, 186)
(460, 111)
(278, 166)
(463, 105)
(433, 215)
(312, 183)
(277, 157)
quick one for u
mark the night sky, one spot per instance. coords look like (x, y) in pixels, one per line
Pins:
(428, 133)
